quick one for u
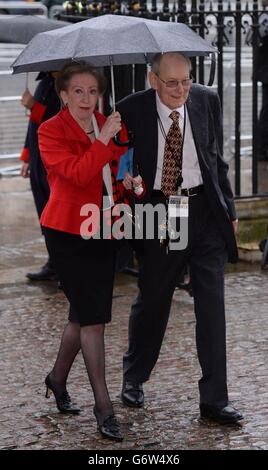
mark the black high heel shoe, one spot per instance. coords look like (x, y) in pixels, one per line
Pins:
(63, 400)
(110, 427)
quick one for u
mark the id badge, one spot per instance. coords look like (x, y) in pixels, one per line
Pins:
(178, 217)
(178, 206)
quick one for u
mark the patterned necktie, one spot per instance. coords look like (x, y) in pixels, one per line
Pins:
(172, 162)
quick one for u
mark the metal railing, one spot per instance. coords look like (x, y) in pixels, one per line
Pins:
(13, 122)
(13, 126)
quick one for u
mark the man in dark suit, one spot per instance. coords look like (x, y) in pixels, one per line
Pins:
(178, 120)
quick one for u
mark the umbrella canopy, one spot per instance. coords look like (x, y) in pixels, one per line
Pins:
(109, 39)
(21, 29)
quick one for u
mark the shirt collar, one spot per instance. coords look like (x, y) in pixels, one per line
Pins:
(164, 111)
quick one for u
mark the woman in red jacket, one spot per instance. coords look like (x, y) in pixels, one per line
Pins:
(80, 159)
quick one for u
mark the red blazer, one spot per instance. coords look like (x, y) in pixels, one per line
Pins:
(74, 169)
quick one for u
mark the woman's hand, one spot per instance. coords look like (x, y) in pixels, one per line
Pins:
(24, 171)
(111, 127)
(27, 100)
(235, 225)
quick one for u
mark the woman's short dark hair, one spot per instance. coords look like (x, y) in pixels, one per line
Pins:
(73, 68)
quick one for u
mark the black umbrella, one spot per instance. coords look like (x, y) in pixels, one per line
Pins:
(21, 29)
(110, 40)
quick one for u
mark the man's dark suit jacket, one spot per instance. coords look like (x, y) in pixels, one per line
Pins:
(139, 113)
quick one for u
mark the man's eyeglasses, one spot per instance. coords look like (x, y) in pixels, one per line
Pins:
(186, 82)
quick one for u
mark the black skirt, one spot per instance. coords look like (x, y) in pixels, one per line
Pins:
(86, 270)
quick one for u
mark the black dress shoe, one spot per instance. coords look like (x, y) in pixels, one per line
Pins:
(45, 274)
(63, 400)
(226, 415)
(132, 394)
(109, 427)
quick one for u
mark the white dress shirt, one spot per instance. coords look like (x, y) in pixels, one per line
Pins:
(190, 166)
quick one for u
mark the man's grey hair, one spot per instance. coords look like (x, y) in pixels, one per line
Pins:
(155, 64)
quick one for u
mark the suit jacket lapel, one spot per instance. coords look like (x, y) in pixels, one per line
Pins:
(149, 134)
(198, 122)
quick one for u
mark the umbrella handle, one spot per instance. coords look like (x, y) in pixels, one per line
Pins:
(26, 113)
(212, 69)
(116, 138)
(117, 141)
(127, 143)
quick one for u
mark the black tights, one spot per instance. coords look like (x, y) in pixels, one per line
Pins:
(91, 340)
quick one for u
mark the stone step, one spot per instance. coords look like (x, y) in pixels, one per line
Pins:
(250, 252)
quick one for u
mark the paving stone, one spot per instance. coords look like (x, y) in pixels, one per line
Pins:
(32, 318)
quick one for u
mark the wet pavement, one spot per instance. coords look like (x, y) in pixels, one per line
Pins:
(32, 317)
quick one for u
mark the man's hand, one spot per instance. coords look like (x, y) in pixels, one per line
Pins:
(235, 225)
(27, 99)
(24, 171)
(135, 185)
(131, 182)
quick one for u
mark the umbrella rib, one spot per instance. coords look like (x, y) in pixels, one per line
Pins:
(157, 45)
(77, 41)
